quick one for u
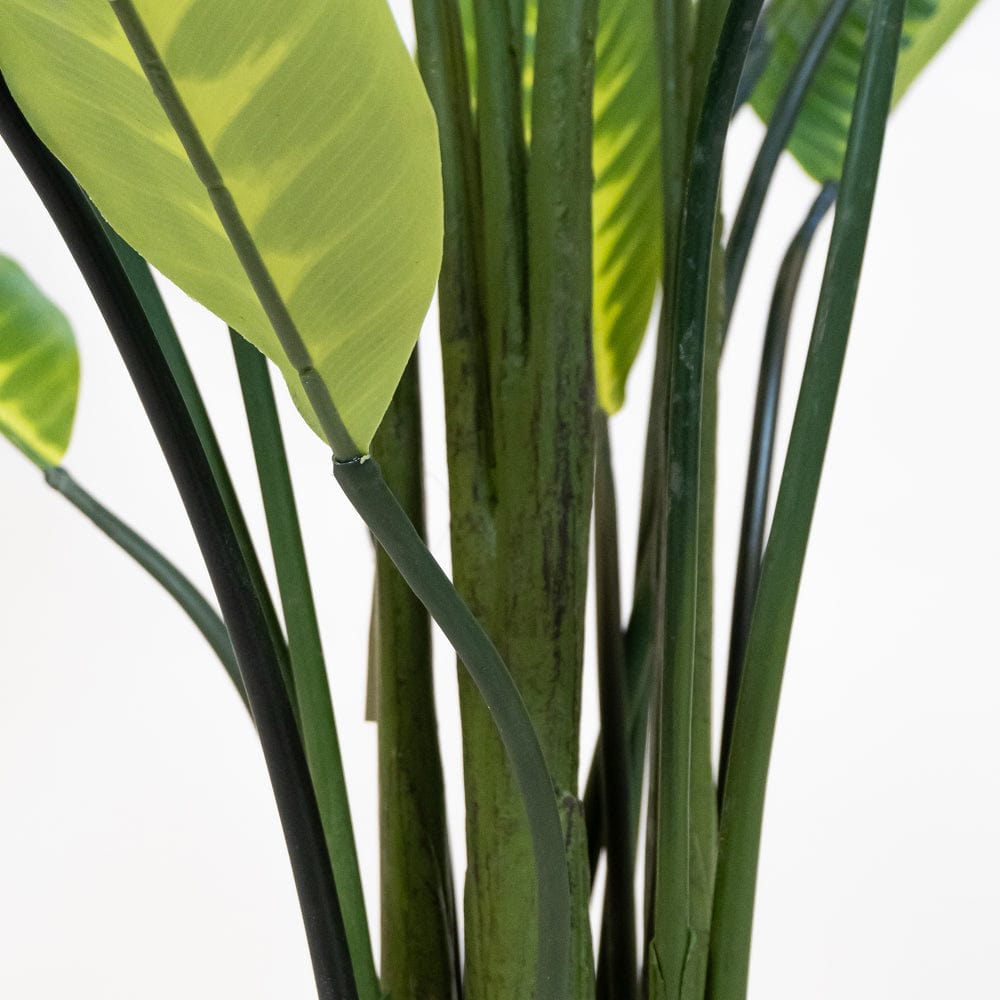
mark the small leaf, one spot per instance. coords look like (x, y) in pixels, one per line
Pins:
(820, 137)
(317, 122)
(39, 369)
(627, 211)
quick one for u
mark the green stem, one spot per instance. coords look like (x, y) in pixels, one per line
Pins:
(781, 573)
(312, 690)
(144, 286)
(761, 459)
(241, 610)
(616, 972)
(420, 947)
(779, 130)
(677, 906)
(204, 617)
(364, 486)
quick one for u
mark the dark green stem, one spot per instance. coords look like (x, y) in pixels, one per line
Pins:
(779, 130)
(204, 617)
(678, 938)
(364, 486)
(781, 573)
(312, 690)
(241, 610)
(144, 286)
(420, 946)
(616, 971)
(755, 498)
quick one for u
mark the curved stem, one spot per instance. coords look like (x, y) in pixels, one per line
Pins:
(241, 610)
(362, 482)
(770, 631)
(203, 616)
(762, 456)
(779, 130)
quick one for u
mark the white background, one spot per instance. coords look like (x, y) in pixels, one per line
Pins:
(140, 855)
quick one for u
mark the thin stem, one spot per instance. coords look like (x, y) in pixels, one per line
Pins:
(364, 486)
(204, 617)
(616, 974)
(677, 906)
(757, 59)
(767, 648)
(144, 286)
(241, 610)
(236, 230)
(312, 689)
(761, 459)
(420, 947)
(779, 130)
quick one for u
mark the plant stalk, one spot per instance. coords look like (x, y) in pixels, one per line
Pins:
(241, 610)
(203, 616)
(781, 572)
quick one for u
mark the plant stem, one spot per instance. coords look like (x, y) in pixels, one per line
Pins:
(678, 934)
(761, 459)
(144, 286)
(616, 973)
(241, 610)
(312, 690)
(162, 570)
(781, 573)
(779, 130)
(420, 946)
(364, 486)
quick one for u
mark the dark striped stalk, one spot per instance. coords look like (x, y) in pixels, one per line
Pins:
(770, 630)
(761, 461)
(241, 609)
(679, 938)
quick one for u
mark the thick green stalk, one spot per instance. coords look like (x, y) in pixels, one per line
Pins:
(767, 648)
(364, 486)
(239, 602)
(779, 130)
(141, 279)
(312, 690)
(420, 947)
(679, 928)
(761, 460)
(616, 972)
(204, 617)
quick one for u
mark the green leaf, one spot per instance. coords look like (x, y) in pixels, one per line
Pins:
(820, 138)
(627, 212)
(39, 369)
(316, 122)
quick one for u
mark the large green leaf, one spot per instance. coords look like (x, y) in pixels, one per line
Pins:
(627, 213)
(313, 115)
(820, 137)
(39, 369)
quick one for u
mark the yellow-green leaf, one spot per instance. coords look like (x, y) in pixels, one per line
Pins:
(39, 369)
(627, 211)
(820, 137)
(317, 122)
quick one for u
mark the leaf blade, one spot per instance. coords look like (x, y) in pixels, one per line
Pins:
(39, 369)
(342, 196)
